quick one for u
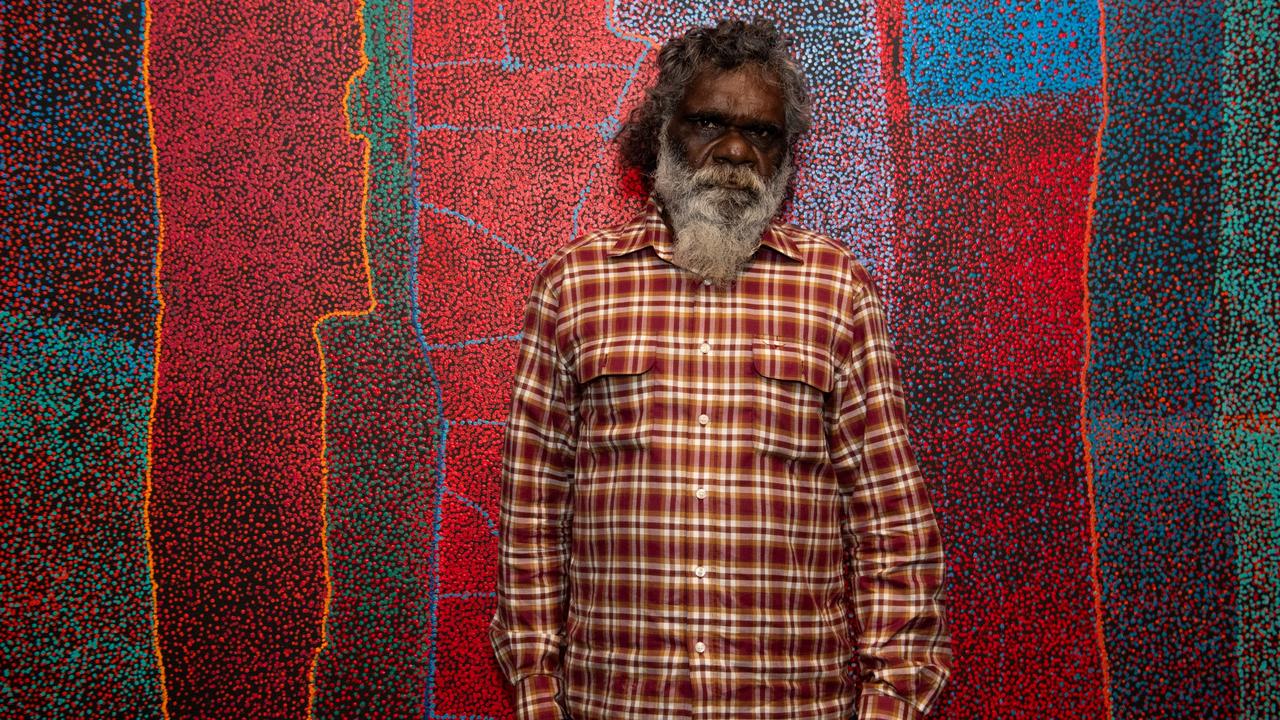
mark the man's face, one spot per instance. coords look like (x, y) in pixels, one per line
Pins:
(731, 117)
(722, 170)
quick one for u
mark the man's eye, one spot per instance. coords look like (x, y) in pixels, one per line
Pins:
(706, 123)
(764, 134)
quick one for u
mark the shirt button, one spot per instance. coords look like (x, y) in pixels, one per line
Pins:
(704, 419)
(706, 283)
(701, 493)
(705, 348)
(700, 571)
(700, 646)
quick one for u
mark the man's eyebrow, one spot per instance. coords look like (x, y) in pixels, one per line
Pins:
(726, 119)
(708, 115)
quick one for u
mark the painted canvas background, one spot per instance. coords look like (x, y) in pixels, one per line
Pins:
(264, 265)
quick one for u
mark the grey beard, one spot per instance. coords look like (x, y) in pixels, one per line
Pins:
(718, 212)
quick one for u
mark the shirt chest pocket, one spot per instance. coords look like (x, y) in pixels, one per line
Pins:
(792, 379)
(616, 388)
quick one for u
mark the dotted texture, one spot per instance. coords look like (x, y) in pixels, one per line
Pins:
(1167, 572)
(260, 199)
(78, 242)
(1246, 365)
(989, 324)
(1069, 207)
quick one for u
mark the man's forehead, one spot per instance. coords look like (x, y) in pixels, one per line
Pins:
(747, 92)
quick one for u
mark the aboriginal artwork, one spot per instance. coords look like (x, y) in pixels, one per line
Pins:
(265, 265)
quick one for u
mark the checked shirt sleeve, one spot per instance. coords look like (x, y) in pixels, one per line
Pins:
(527, 630)
(893, 546)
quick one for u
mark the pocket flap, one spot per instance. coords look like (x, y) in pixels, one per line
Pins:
(783, 359)
(615, 360)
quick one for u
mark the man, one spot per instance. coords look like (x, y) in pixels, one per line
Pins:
(710, 508)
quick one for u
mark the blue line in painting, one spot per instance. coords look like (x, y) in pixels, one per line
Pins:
(507, 64)
(431, 207)
(555, 127)
(508, 60)
(806, 29)
(457, 63)
(473, 341)
(586, 190)
(442, 424)
(609, 127)
(493, 528)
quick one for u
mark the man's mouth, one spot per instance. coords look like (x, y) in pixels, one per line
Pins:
(738, 184)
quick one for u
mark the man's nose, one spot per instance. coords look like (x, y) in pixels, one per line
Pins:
(733, 149)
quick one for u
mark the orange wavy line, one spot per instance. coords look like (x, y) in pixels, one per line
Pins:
(324, 383)
(155, 357)
(148, 481)
(1094, 540)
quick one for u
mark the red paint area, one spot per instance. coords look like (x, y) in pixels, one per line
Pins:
(475, 460)
(989, 317)
(490, 360)
(889, 19)
(1032, 259)
(260, 197)
(504, 155)
(464, 678)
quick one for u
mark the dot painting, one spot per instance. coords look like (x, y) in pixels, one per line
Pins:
(267, 265)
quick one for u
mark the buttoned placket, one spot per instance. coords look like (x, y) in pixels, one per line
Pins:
(701, 577)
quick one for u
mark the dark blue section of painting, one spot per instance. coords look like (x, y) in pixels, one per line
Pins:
(960, 53)
(79, 228)
(1166, 542)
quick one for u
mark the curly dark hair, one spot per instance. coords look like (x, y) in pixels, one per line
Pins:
(728, 45)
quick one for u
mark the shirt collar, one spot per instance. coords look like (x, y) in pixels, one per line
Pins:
(648, 228)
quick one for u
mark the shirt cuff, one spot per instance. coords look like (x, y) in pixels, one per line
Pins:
(878, 706)
(536, 698)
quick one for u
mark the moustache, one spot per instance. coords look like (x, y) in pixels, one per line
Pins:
(730, 177)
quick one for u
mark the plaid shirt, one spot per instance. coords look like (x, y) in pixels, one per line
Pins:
(709, 506)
